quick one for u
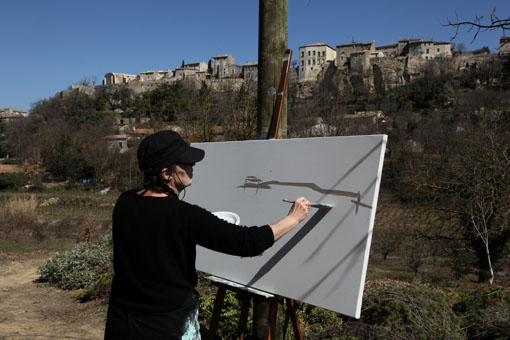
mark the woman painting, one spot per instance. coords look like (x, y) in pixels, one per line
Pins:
(155, 235)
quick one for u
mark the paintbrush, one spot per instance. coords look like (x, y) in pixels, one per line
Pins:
(313, 204)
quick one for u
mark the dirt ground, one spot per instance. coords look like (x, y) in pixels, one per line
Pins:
(9, 168)
(31, 311)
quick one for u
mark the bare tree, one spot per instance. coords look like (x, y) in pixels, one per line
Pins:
(479, 24)
(463, 170)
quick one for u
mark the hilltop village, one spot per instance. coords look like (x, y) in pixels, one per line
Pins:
(396, 63)
(314, 59)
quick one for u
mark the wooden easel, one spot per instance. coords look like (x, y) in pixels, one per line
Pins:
(246, 294)
(250, 293)
(280, 97)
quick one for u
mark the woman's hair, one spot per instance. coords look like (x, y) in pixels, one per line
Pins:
(155, 182)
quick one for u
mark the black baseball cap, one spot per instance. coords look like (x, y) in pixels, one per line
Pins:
(165, 148)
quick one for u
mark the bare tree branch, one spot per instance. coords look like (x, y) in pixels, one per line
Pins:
(479, 24)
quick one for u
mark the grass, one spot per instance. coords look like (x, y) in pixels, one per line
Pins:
(7, 246)
(58, 219)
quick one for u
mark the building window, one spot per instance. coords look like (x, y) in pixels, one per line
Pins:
(314, 61)
(427, 51)
(314, 53)
(308, 61)
(302, 63)
(308, 53)
(302, 54)
(438, 49)
(302, 69)
(323, 53)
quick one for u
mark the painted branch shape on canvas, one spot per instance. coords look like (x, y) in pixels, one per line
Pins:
(256, 183)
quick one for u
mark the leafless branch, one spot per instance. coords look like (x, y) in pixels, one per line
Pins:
(479, 24)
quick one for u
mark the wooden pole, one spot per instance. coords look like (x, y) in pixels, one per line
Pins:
(273, 33)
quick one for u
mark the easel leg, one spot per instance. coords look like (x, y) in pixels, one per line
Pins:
(215, 319)
(291, 312)
(271, 322)
(243, 320)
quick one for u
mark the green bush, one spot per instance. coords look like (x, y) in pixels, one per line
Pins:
(80, 267)
(411, 312)
(318, 323)
(12, 180)
(100, 290)
(229, 316)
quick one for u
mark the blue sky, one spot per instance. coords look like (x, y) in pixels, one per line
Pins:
(47, 45)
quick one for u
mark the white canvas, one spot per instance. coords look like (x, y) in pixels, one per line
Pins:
(323, 261)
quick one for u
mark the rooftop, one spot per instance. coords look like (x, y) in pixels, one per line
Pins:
(386, 46)
(356, 44)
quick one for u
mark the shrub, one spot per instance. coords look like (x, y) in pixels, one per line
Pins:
(100, 290)
(229, 316)
(12, 180)
(318, 323)
(411, 312)
(485, 312)
(80, 267)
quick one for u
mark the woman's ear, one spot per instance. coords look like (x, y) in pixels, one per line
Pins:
(166, 174)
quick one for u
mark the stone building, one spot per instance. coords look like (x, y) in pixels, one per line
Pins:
(428, 49)
(224, 66)
(184, 72)
(343, 52)
(313, 59)
(360, 60)
(251, 71)
(199, 67)
(9, 114)
(118, 143)
(152, 75)
(504, 46)
(390, 50)
(118, 78)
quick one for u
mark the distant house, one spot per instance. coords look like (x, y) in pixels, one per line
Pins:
(117, 143)
(9, 114)
(224, 66)
(200, 66)
(130, 120)
(390, 50)
(504, 46)
(184, 72)
(251, 71)
(118, 78)
(155, 75)
(344, 51)
(360, 60)
(314, 58)
(428, 49)
(140, 133)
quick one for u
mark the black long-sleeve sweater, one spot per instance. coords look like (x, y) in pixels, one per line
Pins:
(154, 241)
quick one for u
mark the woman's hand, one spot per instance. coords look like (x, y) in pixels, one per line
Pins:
(297, 213)
(300, 209)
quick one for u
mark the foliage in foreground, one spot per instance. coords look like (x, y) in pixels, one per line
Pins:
(395, 310)
(80, 267)
(485, 312)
